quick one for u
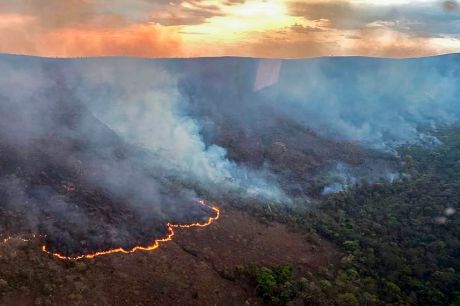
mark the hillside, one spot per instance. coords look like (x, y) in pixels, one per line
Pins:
(320, 168)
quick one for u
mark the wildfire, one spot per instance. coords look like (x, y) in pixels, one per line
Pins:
(156, 243)
(9, 238)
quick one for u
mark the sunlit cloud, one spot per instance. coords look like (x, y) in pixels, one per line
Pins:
(238, 20)
(259, 28)
(14, 20)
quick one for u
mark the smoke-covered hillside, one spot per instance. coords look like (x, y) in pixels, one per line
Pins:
(328, 118)
(321, 123)
(91, 146)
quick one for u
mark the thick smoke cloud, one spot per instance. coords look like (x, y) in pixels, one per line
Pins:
(378, 103)
(141, 102)
(106, 147)
(335, 119)
(105, 152)
(382, 103)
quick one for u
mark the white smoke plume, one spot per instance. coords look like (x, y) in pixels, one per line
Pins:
(140, 101)
(379, 102)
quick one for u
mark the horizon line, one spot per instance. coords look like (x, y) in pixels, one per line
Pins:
(223, 56)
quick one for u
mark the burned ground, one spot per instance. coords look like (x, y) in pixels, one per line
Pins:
(196, 268)
(60, 182)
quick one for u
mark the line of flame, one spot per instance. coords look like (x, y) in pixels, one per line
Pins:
(156, 243)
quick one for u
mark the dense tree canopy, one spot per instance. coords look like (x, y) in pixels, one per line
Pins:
(400, 240)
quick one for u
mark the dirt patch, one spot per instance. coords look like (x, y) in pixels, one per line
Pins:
(239, 239)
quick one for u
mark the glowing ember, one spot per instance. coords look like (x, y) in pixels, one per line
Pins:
(7, 239)
(156, 243)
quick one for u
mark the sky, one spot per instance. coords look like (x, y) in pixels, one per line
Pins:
(254, 28)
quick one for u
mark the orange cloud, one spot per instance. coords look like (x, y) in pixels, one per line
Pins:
(137, 40)
(143, 40)
(14, 20)
(77, 28)
(259, 28)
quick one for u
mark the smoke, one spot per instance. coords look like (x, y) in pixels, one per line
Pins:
(144, 107)
(105, 152)
(381, 103)
(302, 118)
(450, 6)
(101, 153)
(343, 176)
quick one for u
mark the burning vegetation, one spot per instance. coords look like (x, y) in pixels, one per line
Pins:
(111, 156)
(69, 178)
(153, 246)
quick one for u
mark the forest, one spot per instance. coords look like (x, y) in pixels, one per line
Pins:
(399, 240)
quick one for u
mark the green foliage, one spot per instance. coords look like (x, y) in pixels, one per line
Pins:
(266, 282)
(401, 240)
(347, 299)
(350, 245)
(274, 285)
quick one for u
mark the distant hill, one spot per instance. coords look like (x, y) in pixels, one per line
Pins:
(339, 117)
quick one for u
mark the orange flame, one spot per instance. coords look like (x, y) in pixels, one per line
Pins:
(156, 243)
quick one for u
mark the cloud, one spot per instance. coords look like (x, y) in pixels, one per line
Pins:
(422, 19)
(54, 13)
(193, 27)
(340, 14)
(234, 2)
(298, 28)
(99, 27)
(144, 40)
(186, 13)
(81, 28)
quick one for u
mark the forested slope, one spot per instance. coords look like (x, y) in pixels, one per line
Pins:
(400, 240)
